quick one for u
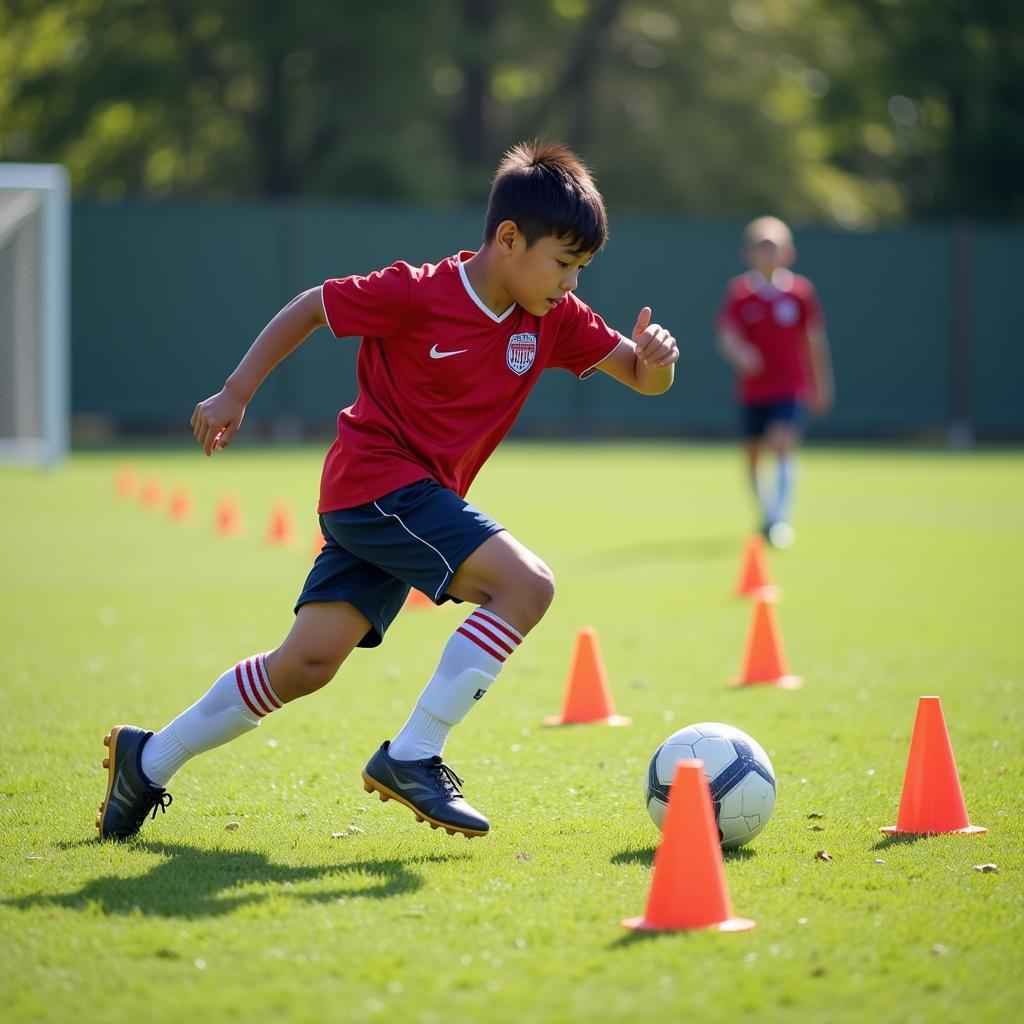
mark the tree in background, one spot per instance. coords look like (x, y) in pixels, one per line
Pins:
(850, 111)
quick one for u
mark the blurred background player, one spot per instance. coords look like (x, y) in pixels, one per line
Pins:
(771, 330)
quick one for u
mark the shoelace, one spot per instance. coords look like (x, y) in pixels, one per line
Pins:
(447, 778)
(160, 803)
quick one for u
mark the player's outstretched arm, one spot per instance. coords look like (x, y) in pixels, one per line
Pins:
(216, 420)
(645, 361)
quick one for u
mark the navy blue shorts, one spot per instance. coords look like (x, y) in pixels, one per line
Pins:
(417, 536)
(757, 417)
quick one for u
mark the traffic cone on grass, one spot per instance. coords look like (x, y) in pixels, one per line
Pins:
(932, 799)
(417, 599)
(152, 493)
(588, 697)
(753, 578)
(228, 520)
(280, 526)
(688, 887)
(125, 484)
(765, 660)
(181, 508)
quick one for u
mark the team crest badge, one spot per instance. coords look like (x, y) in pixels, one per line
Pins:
(522, 350)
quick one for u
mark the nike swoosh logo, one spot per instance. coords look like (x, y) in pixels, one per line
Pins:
(435, 353)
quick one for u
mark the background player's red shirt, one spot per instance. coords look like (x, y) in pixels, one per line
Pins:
(441, 377)
(774, 318)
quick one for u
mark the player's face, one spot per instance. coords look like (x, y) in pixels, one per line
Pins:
(766, 255)
(540, 276)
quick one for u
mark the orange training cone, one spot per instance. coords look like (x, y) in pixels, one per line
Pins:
(181, 507)
(417, 599)
(125, 484)
(754, 578)
(587, 695)
(932, 799)
(228, 520)
(152, 493)
(765, 659)
(318, 543)
(280, 527)
(688, 887)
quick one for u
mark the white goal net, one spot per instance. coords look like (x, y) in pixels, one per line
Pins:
(34, 312)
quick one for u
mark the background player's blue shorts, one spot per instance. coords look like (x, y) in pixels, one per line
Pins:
(757, 417)
(417, 536)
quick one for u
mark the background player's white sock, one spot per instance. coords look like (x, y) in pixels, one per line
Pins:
(785, 484)
(232, 706)
(470, 662)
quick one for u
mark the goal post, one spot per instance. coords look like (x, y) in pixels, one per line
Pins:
(35, 234)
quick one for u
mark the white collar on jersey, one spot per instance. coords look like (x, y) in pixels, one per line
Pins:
(782, 281)
(476, 298)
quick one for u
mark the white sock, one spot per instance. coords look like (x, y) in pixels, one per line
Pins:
(232, 706)
(470, 662)
(785, 484)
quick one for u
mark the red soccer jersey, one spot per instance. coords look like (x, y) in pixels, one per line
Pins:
(441, 377)
(774, 317)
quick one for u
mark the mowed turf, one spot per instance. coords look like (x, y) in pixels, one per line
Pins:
(324, 904)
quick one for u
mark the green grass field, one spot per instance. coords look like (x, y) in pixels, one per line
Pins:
(326, 905)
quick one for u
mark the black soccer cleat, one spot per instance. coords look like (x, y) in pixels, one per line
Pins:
(429, 788)
(130, 796)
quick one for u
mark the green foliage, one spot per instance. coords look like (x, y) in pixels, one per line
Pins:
(817, 109)
(326, 905)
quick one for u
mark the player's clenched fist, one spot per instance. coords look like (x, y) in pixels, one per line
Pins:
(654, 345)
(216, 420)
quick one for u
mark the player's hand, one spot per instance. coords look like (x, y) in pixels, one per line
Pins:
(820, 403)
(751, 362)
(654, 345)
(215, 421)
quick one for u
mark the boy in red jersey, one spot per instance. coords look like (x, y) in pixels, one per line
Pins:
(772, 332)
(448, 356)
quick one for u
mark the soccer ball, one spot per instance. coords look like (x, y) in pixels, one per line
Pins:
(741, 777)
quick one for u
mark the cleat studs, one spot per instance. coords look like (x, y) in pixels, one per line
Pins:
(106, 740)
(367, 787)
(106, 762)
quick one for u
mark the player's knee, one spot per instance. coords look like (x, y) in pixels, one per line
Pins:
(298, 676)
(537, 591)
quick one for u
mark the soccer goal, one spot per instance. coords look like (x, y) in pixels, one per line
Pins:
(34, 312)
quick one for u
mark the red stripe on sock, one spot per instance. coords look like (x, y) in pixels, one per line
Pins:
(493, 637)
(484, 647)
(241, 690)
(261, 673)
(253, 690)
(494, 621)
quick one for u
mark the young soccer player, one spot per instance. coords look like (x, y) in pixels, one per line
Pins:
(449, 354)
(772, 332)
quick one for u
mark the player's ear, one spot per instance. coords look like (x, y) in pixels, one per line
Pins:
(505, 236)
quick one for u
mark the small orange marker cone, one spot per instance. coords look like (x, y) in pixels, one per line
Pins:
(181, 507)
(152, 493)
(765, 659)
(932, 799)
(688, 887)
(753, 578)
(280, 527)
(417, 599)
(318, 543)
(588, 697)
(125, 484)
(228, 520)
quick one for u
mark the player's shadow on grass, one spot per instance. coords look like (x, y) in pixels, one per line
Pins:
(193, 883)
(645, 856)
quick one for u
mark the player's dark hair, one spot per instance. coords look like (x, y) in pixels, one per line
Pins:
(547, 190)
